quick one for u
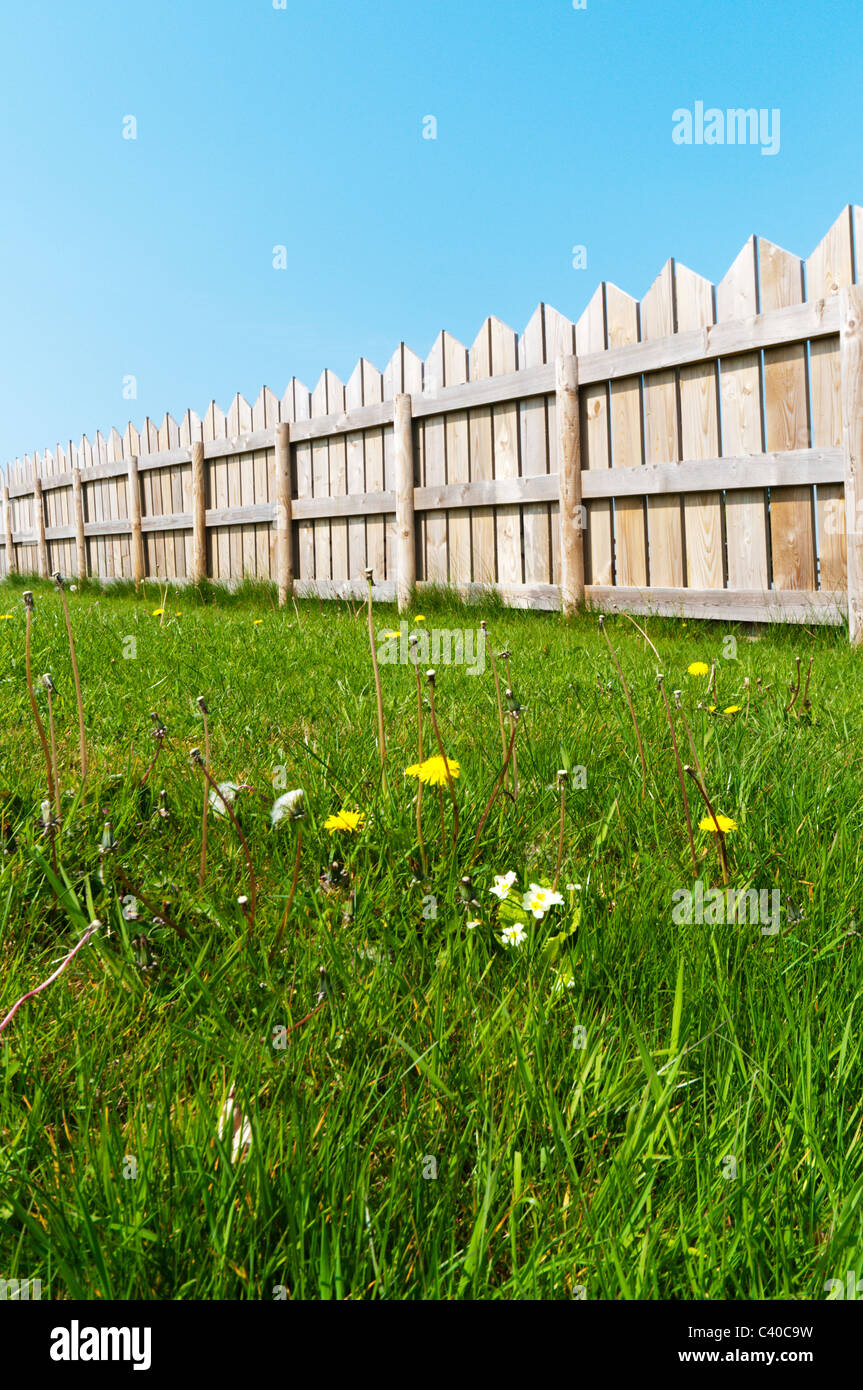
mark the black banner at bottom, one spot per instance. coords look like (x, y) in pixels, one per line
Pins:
(84, 1340)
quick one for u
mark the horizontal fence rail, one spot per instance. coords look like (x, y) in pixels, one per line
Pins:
(694, 454)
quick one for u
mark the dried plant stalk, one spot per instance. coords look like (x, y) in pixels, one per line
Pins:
(195, 755)
(562, 779)
(291, 894)
(660, 682)
(202, 706)
(455, 820)
(420, 751)
(382, 743)
(40, 728)
(82, 735)
(495, 789)
(723, 853)
(631, 707)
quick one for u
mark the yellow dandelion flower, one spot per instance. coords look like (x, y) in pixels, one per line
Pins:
(723, 823)
(698, 668)
(157, 612)
(732, 709)
(390, 632)
(433, 771)
(4, 616)
(257, 622)
(420, 618)
(345, 820)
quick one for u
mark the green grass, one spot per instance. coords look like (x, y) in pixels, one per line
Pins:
(608, 1166)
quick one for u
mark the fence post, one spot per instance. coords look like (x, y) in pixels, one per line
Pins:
(134, 493)
(39, 509)
(406, 558)
(199, 516)
(569, 475)
(80, 540)
(851, 359)
(284, 514)
(11, 566)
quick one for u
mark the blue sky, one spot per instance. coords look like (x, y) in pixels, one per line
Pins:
(302, 127)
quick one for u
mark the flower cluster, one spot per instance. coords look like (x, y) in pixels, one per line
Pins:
(539, 899)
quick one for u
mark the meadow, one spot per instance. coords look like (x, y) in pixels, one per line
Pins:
(342, 1062)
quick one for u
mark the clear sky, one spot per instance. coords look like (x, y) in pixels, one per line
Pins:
(302, 126)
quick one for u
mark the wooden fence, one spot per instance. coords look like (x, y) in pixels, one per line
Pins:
(697, 453)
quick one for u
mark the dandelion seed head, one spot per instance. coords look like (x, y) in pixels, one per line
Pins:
(223, 797)
(290, 805)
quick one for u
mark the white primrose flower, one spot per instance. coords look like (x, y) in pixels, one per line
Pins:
(514, 935)
(502, 884)
(290, 805)
(538, 900)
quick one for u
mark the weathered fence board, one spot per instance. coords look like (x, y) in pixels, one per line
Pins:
(786, 419)
(630, 518)
(742, 429)
(595, 445)
(661, 435)
(829, 269)
(482, 462)
(699, 436)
